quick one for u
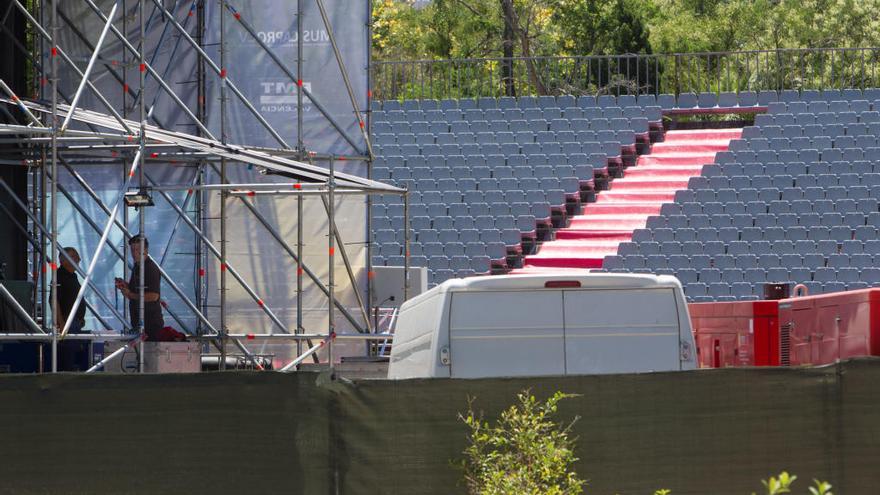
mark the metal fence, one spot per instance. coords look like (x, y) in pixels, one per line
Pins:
(820, 68)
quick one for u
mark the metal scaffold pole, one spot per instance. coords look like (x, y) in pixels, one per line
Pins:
(223, 193)
(142, 107)
(300, 147)
(124, 157)
(54, 194)
(331, 261)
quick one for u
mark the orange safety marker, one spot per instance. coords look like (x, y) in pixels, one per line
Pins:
(54, 266)
(332, 251)
(371, 274)
(297, 186)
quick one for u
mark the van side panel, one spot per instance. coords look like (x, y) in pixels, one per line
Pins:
(415, 339)
(506, 333)
(621, 331)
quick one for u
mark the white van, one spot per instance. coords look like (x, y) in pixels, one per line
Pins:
(544, 324)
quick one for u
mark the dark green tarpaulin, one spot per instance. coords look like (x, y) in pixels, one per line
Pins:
(703, 432)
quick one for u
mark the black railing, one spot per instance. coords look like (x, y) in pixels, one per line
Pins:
(821, 68)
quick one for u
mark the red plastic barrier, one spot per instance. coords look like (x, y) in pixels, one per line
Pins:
(736, 333)
(810, 330)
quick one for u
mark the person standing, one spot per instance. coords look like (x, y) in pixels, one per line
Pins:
(153, 321)
(68, 288)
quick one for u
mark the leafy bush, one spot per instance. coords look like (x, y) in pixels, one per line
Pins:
(782, 484)
(525, 452)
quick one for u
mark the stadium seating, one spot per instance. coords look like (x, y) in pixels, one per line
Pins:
(796, 199)
(502, 172)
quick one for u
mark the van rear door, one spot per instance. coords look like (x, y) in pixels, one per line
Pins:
(506, 333)
(621, 331)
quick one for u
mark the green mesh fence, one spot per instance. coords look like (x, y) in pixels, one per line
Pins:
(704, 432)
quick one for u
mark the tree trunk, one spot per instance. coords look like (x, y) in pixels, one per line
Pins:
(507, 46)
(511, 21)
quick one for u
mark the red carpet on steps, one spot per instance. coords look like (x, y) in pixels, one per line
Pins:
(626, 206)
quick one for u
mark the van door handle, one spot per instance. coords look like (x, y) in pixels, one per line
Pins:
(444, 356)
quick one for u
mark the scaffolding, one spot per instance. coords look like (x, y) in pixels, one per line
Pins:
(46, 143)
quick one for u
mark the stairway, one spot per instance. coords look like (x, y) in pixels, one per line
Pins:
(630, 200)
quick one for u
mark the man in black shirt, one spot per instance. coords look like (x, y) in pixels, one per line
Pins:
(153, 322)
(68, 288)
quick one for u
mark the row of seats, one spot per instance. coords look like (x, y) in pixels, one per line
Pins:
(826, 246)
(477, 172)
(821, 106)
(812, 130)
(731, 234)
(455, 161)
(763, 220)
(624, 133)
(735, 169)
(830, 154)
(745, 261)
(611, 148)
(861, 271)
(805, 143)
(397, 120)
(785, 179)
(823, 118)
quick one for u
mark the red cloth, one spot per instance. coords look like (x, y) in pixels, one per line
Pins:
(166, 334)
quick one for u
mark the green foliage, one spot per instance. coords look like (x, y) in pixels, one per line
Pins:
(782, 484)
(475, 28)
(524, 452)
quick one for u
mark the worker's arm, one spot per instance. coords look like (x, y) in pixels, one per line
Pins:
(133, 295)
